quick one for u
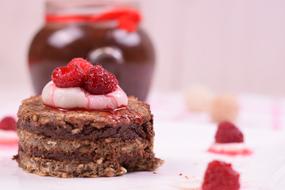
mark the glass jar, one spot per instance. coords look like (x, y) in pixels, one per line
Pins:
(103, 32)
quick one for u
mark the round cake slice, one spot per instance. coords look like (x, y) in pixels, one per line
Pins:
(78, 143)
(85, 130)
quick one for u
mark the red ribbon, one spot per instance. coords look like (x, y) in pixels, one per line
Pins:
(127, 19)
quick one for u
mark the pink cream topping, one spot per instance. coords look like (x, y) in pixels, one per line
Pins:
(76, 97)
(230, 149)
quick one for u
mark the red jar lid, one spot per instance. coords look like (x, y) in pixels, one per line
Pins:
(128, 19)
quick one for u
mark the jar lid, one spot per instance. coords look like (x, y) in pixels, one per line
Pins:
(86, 6)
(94, 11)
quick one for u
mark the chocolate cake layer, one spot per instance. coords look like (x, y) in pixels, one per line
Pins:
(126, 123)
(34, 112)
(68, 168)
(102, 167)
(89, 132)
(84, 150)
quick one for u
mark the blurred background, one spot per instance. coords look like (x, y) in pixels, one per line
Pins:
(228, 45)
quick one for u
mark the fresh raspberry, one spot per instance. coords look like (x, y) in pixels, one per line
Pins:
(8, 123)
(228, 133)
(100, 81)
(82, 63)
(220, 176)
(69, 76)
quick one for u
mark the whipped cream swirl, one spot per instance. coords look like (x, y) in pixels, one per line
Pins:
(75, 97)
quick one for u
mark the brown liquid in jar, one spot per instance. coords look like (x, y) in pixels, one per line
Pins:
(57, 43)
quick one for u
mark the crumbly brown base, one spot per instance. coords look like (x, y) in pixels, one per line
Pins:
(66, 169)
(73, 168)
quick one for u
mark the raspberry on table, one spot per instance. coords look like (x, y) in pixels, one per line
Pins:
(68, 76)
(228, 133)
(100, 81)
(220, 176)
(8, 123)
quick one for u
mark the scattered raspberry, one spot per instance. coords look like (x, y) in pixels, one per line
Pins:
(100, 81)
(220, 176)
(8, 123)
(82, 63)
(69, 76)
(228, 133)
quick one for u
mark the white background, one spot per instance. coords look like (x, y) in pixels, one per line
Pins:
(228, 45)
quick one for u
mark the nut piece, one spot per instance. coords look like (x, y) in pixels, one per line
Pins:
(53, 143)
(35, 118)
(99, 161)
(75, 131)
(109, 172)
(122, 171)
(224, 108)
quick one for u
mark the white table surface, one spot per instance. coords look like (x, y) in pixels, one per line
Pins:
(181, 140)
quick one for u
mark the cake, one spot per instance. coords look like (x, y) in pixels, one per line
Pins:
(229, 140)
(103, 133)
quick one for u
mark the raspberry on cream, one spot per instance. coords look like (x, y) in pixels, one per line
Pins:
(229, 140)
(76, 97)
(80, 84)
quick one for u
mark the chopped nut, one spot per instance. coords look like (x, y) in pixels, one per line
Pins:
(75, 131)
(64, 175)
(99, 161)
(80, 166)
(53, 143)
(109, 172)
(35, 118)
(43, 120)
(122, 171)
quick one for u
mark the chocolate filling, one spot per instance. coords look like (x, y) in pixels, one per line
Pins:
(123, 159)
(88, 132)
